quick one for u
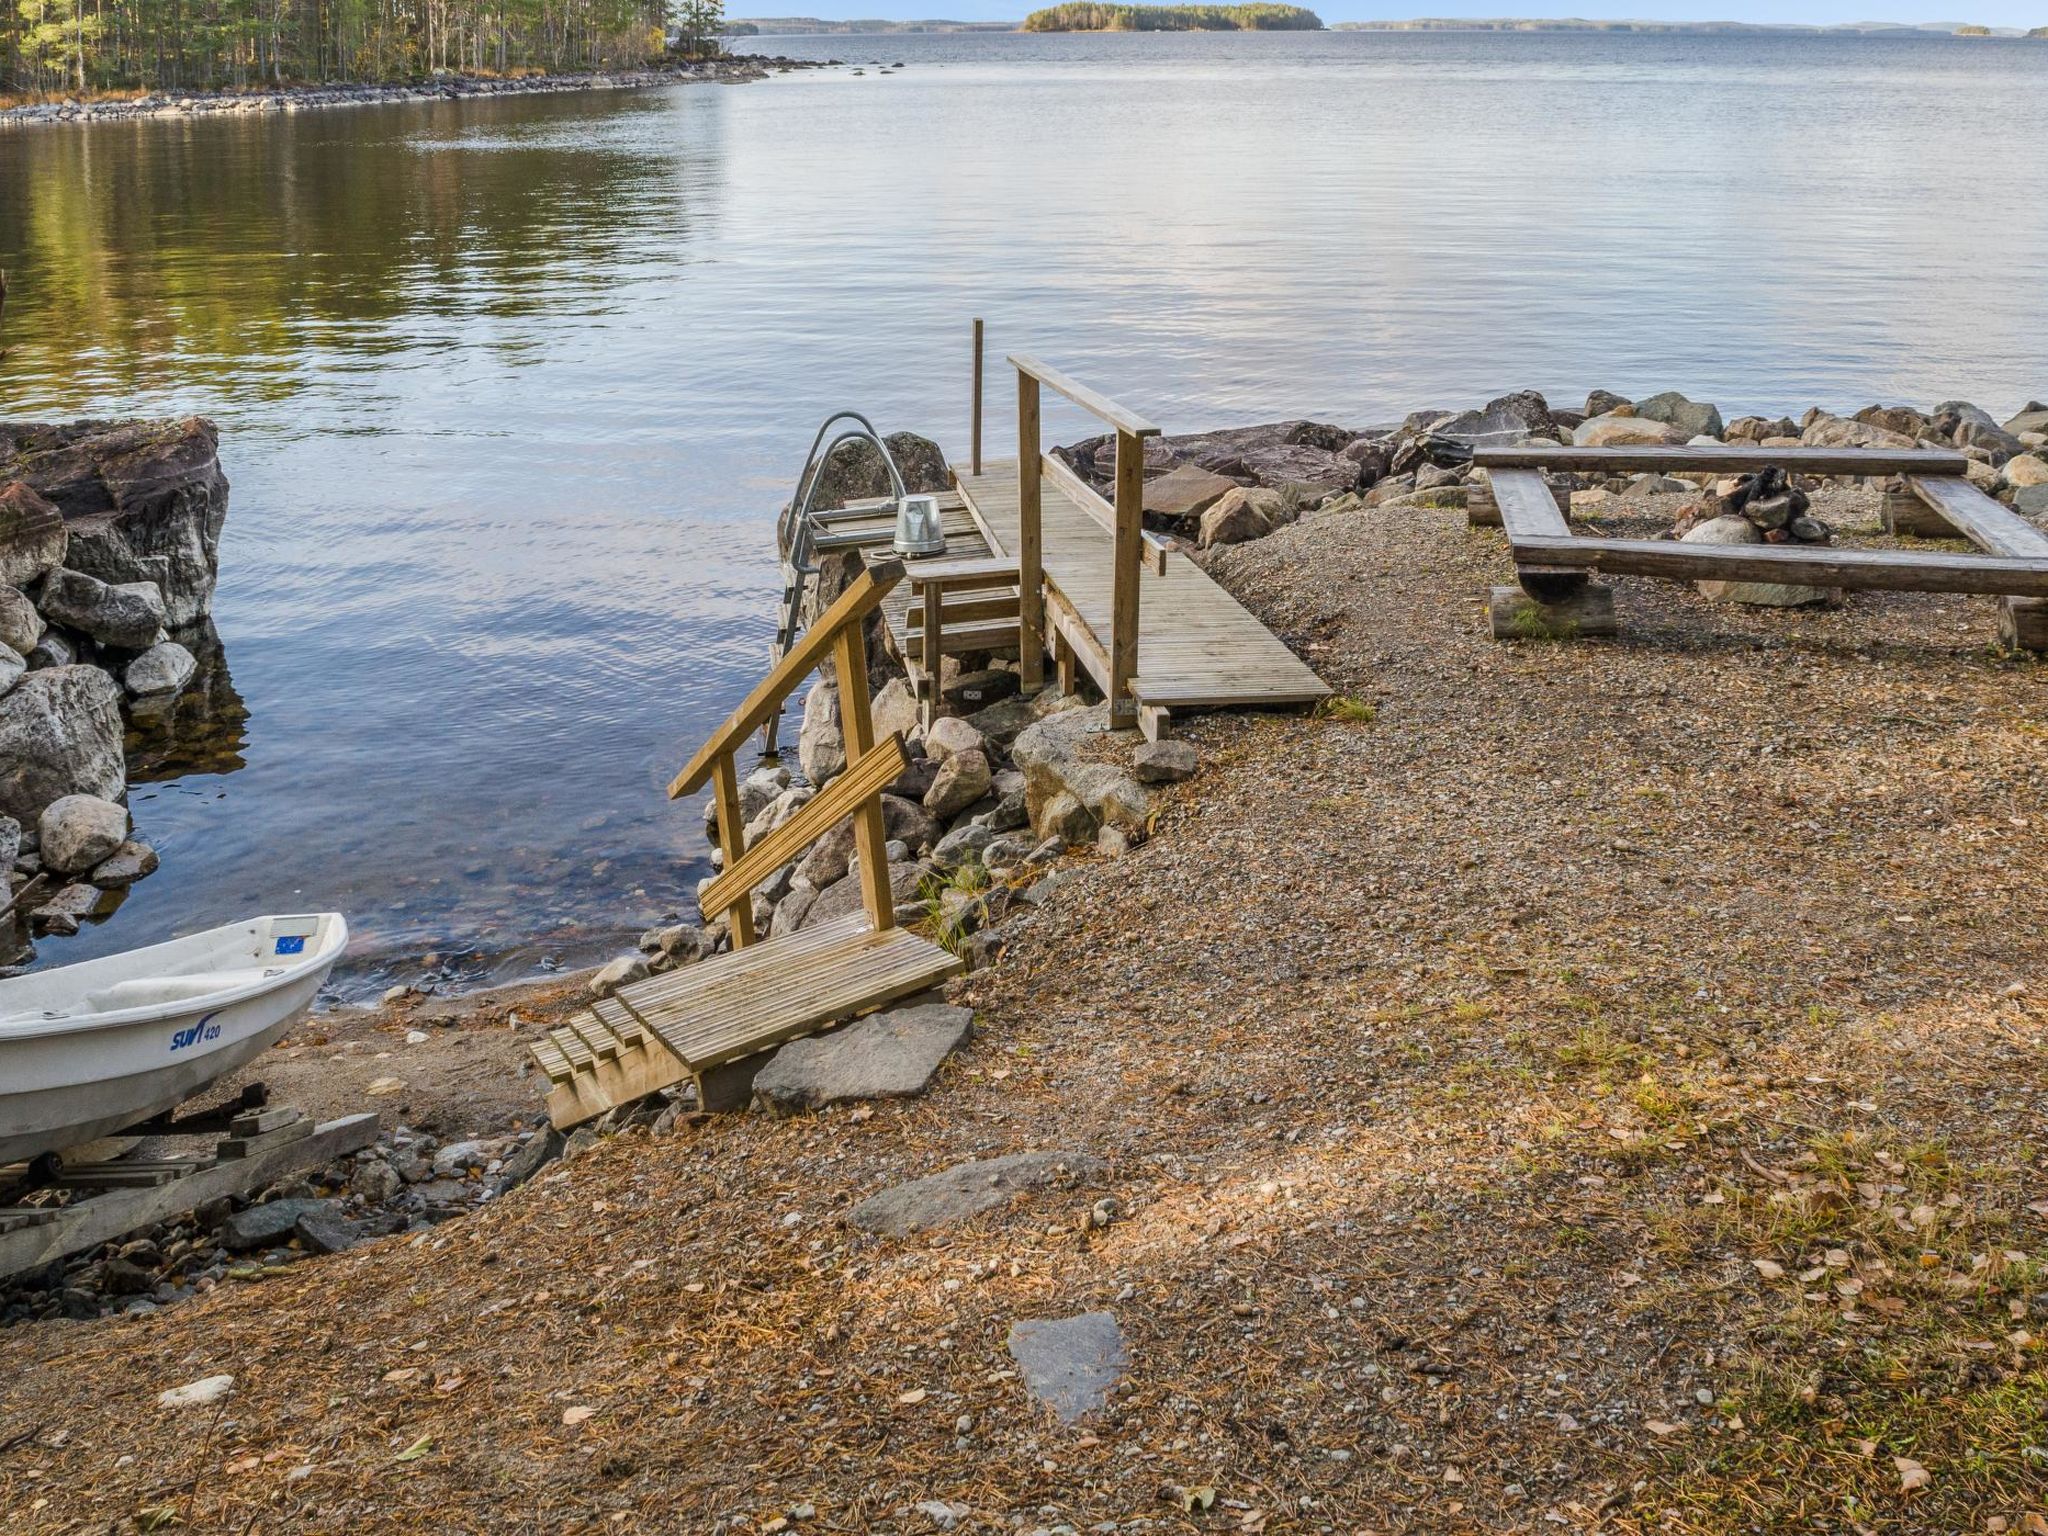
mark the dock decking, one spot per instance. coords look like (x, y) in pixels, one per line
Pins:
(1197, 646)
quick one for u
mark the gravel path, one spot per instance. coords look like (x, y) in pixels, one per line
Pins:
(1602, 1089)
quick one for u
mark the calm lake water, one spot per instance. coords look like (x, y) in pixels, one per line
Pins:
(510, 391)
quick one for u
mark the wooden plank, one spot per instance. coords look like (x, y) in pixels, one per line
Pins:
(1092, 401)
(938, 616)
(88, 1223)
(961, 575)
(549, 1058)
(1812, 565)
(1726, 458)
(1124, 554)
(869, 775)
(930, 618)
(856, 723)
(732, 842)
(1030, 539)
(1986, 523)
(1090, 501)
(862, 596)
(1527, 509)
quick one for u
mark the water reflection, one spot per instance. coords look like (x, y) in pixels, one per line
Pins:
(197, 731)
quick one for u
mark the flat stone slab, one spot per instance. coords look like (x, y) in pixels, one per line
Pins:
(888, 1055)
(967, 1189)
(1070, 1364)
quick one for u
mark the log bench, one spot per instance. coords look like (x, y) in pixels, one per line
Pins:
(1555, 594)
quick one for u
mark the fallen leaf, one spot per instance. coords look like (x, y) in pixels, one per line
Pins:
(1659, 1428)
(1911, 1474)
(402, 1375)
(416, 1450)
(913, 1397)
(576, 1415)
(1770, 1269)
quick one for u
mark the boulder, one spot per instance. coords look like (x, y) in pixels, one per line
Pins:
(60, 734)
(10, 844)
(21, 627)
(949, 735)
(1825, 431)
(130, 862)
(2032, 418)
(962, 845)
(1243, 515)
(831, 856)
(63, 912)
(821, 744)
(894, 710)
(971, 691)
(1625, 432)
(888, 1055)
(961, 780)
(853, 471)
(1510, 419)
(622, 972)
(1902, 419)
(1184, 493)
(142, 501)
(271, 1224)
(679, 944)
(1003, 721)
(2032, 500)
(776, 812)
(843, 897)
(2026, 469)
(78, 831)
(1761, 594)
(1604, 402)
(33, 539)
(129, 616)
(968, 1189)
(1056, 758)
(1690, 417)
(1318, 471)
(164, 668)
(12, 667)
(1373, 456)
(1164, 762)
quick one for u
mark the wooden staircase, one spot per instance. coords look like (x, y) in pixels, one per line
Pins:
(712, 1023)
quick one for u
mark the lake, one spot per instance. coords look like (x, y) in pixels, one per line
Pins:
(510, 391)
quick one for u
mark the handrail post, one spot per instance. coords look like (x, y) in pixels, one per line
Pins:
(856, 723)
(732, 842)
(976, 459)
(1030, 548)
(1128, 547)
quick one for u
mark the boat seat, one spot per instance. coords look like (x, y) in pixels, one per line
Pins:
(142, 991)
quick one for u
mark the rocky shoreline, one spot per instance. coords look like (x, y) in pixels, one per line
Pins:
(109, 554)
(301, 98)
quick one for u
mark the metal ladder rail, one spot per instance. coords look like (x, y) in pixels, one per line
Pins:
(793, 534)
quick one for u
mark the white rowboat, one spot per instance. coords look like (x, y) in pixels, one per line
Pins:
(90, 1049)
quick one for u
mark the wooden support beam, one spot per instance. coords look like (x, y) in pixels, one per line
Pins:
(1960, 508)
(870, 831)
(1812, 565)
(1481, 511)
(865, 777)
(975, 460)
(1030, 540)
(1156, 723)
(1725, 459)
(1125, 553)
(1515, 615)
(732, 840)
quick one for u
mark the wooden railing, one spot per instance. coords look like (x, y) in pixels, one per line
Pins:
(870, 766)
(1127, 530)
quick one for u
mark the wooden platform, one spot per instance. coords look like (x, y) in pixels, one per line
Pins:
(978, 621)
(690, 1023)
(1197, 646)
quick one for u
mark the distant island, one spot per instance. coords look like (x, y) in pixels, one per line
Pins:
(1085, 16)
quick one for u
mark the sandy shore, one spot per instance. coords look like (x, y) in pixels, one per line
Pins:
(1597, 1086)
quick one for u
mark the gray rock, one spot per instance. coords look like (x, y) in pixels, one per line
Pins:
(541, 1148)
(142, 501)
(890, 1055)
(375, 1181)
(950, 734)
(961, 780)
(1690, 417)
(328, 1231)
(971, 691)
(894, 710)
(1002, 722)
(60, 734)
(682, 944)
(164, 668)
(821, 744)
(1070, 1364)
(962, 845)
(831, 856)
(1245, 514)
(844, 896)
(1164, 762)
(2032, 500)
(270, 1224)
(1761, 594)
(853, 471)
(1510, 419)
(20, 625)
(1826, 431)
(1010, 849)
(1058, 756)
(1184, 493)
(10, 846)
(13, 667)
(78, 831)
(1066, 820)
(53, 650)
(622, 972)
(1009, 812)
(130, 862)
(1603, 401)
(1626, 432)
(2033, 417)
(129, 615)
(967, 1189)
(33, 538)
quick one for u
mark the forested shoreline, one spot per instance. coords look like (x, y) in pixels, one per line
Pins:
(1088, 16)
(84, 47)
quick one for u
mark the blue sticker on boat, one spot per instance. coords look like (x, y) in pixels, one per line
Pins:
(292, 944)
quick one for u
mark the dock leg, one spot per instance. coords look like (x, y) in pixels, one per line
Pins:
(1154, 722)
(1589, 610)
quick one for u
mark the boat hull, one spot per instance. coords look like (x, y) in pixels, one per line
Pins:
(74, 1078)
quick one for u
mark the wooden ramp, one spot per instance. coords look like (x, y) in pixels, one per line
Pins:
(1197, 646)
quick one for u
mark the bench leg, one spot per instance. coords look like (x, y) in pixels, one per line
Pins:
(1589, 610)
(1905, 513)
(1481, 510)
(2023, 624)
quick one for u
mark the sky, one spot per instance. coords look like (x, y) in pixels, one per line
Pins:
(1994, 13)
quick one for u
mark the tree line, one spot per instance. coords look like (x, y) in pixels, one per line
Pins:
(78, 46)
(1085, 16)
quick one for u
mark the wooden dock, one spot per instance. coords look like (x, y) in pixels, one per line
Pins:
(1197, 646)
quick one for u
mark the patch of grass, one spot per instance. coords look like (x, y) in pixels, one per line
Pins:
(1342, 706)
(1528, 623)
(1597, 1049)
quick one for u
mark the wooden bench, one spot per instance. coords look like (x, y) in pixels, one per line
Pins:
(1555, 595)
(712, 1022)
